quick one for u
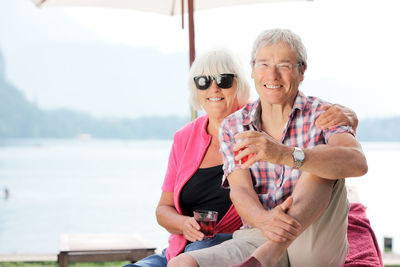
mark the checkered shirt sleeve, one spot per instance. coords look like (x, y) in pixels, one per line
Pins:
(227, 132)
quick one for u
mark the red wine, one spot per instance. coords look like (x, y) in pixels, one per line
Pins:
(207, 228)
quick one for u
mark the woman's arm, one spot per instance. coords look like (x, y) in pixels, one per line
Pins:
(175, 223)
(337, 115)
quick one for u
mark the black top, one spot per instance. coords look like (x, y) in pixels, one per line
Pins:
(204, 192)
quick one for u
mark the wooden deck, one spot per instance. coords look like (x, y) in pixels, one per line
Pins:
(17, 257)
(102, 247)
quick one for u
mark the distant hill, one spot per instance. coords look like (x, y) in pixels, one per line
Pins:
(20, 118)
(103, 79)
(379, 129)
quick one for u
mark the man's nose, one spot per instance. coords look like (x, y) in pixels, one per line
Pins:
(274, 73)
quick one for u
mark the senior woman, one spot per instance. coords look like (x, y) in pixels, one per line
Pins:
(193, 180)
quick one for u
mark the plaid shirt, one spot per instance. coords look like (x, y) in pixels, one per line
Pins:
(273, 182)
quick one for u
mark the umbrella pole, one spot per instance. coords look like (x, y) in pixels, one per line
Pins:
(191, 32)
(192, 51)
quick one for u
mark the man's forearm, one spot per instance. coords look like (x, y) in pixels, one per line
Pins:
(247, 205)
(334, 162)
(341, 157)
(330, 162)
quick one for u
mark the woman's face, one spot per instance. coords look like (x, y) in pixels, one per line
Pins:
(218, 102)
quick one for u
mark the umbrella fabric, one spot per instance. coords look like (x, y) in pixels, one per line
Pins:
(166, 7)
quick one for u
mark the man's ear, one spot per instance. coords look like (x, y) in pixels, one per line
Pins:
(302, 71)
(303, 68)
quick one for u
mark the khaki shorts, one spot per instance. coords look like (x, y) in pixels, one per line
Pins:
(322, 244)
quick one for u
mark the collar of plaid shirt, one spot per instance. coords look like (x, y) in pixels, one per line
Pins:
(253, 118)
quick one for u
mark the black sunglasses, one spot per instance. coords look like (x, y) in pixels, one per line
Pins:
(223, 81)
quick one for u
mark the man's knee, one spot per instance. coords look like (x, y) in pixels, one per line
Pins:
(183, 260)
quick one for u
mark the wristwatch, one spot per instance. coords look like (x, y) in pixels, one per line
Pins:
(298, 157)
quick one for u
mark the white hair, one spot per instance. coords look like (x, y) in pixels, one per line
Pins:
(274, 36)
(217, 62)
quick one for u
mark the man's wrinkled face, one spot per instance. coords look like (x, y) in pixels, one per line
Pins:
(277, 74)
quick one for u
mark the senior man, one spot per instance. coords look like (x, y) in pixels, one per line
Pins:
(290, 193)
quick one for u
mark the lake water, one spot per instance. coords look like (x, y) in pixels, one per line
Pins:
(113, 186)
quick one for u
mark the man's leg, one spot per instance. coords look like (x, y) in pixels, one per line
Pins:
(187, 260)
(183, 260)
(311, 197)
(324, 243)
(243, 243)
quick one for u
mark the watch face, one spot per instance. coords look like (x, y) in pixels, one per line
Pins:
(298, 154)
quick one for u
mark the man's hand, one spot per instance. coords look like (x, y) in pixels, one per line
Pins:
(278, 226)
(191, 230)
(259, 146)
(336, 115)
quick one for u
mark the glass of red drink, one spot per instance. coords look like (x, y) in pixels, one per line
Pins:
(207, 219)
(244, 159)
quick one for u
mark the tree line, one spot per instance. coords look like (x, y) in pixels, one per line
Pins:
(20, 118)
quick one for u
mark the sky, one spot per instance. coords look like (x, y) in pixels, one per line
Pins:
(353, 47)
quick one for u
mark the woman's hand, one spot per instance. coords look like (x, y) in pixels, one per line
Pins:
(337, 115)
(174, 222)
(191, 230)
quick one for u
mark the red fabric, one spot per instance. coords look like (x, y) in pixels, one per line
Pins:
(364, 250)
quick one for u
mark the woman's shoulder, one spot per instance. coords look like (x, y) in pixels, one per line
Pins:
(191, 135)
(194, 126)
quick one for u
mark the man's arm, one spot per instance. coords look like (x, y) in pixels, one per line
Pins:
(275, 224)
(342, 157)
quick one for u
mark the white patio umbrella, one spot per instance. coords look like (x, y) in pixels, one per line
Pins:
(166, 7)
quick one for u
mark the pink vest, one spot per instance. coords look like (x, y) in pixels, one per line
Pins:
(187, 152)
